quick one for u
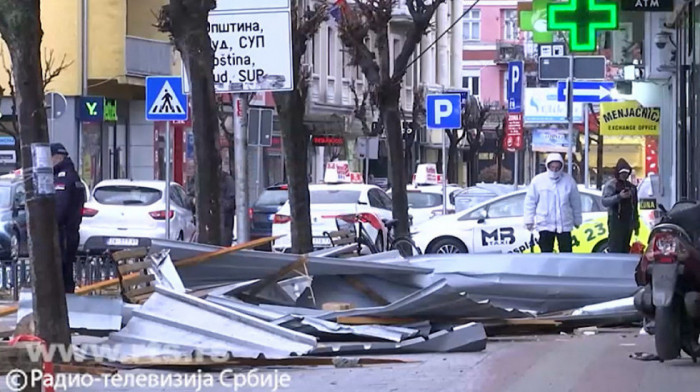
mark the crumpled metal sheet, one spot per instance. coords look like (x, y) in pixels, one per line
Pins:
(183, 323)
(438, 300)
(465, 338)
(95, 313)
(616, 307)
(250, 264)
(534, 282)
(315, 326)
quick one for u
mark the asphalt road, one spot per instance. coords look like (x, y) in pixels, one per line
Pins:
(554, 363)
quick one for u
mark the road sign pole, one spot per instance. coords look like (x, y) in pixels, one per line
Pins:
(516, 170)
(586, 145)
(570, 112)
(240, 136)
(444, 172)
(167, 179)
(53, 116)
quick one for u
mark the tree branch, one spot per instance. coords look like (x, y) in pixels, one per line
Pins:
(422, 15)
(360, 110)
(51, 70)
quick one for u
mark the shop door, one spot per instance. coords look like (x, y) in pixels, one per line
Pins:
(115, 150)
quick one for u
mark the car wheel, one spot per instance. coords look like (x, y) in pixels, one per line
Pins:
(14, 246)
(602, 247)
(448, 246)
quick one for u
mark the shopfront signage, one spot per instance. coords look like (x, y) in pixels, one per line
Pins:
(91, 109)
(583, 19)
(323, 141)
(629, 118)
(648, 5)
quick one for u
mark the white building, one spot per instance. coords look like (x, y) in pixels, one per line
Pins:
(330, 110)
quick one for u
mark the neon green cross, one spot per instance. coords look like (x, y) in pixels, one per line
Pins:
(536, 22)
(582, 19)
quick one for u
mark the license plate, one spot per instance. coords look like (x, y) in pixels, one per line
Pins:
(321, 241)
(647, 204)
(122, 241)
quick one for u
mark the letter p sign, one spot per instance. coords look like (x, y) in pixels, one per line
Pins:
(444, 111)
(515, 87)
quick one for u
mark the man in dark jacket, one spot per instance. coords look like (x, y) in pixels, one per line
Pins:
(620, 198)
(70, 198)
(228, 203)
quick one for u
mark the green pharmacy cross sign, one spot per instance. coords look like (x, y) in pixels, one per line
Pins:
(582, 19)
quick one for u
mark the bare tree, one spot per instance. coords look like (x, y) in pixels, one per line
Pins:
(291, 107)
(416, 127)
(20, 27)
(455, 137)
(51, 71)
(187, 23)
(385, 76)
(473, 120)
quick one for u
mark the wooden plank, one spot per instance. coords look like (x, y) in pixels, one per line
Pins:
(250, 362)
(94, 369)
(136, 253)
(141, 291)
(363, 320)
(208, 256)
(366, 290)
(138, 280)
(133, 267)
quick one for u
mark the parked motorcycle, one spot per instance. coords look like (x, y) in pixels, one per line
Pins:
(669, 273)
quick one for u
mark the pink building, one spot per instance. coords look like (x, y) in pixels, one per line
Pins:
(490, 39)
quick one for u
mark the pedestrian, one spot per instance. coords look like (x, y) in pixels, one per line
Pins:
(70, 199)
(228, 205)
(553, 206)
(621, 200)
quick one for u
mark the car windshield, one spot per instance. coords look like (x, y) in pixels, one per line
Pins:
(272, 198)
(5, 196)
(127, 195)
(332, 196)
(465, 202)
(424, 200)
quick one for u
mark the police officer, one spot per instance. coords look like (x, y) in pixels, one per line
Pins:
(70, 198)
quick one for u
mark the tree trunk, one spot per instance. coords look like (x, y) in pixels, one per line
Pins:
(188, 25)
(20, 27)
(295, 137)
(599, 162)
(453, 163)
(389, 106)
(499, 169)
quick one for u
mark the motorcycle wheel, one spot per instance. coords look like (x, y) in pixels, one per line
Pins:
(667, 336)
(691, 343)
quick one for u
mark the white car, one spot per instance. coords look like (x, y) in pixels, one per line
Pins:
(328, 201)
(124, 210)
(495, 226)
(425, 202)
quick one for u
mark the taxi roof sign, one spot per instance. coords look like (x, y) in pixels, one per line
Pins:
(426, 174)
(337, 172)
(356, 178)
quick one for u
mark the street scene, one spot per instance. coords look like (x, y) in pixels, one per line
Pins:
(395, 195)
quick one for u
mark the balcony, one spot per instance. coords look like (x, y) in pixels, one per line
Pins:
(508, 51)
(147, 57)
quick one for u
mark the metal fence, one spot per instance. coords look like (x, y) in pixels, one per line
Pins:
(15, 275)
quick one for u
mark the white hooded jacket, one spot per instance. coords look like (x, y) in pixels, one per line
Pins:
(553, 202)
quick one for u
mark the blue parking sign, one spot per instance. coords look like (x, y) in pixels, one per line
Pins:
(443, 111)
(515, 86)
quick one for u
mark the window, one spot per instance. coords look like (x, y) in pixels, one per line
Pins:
(332, 196)
(476, 214)
(6, 196)
(272, 198)
(176, 197)
(589, 203)
(423, 200)
(378, 199)
(20, 196)
(510, 25)
(472, 26)
(510, 207)
(344, 64)
(127, 195)
(471, 83)
(315, 63)
(331, 52)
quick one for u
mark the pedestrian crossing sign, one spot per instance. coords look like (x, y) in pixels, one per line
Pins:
(165, 100)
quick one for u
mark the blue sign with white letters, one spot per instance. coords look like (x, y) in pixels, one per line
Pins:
(587, 92)
(165, 100)
(443, 111)
(515, 86)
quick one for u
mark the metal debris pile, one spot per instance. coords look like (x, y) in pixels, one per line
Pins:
(211, 302)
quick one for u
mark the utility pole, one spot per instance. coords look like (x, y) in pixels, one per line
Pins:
(240, 136)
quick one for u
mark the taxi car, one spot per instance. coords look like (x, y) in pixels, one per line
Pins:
(497, 226)
(342, 193)
(425, 194)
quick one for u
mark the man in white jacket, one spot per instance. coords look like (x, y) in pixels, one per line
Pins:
(553, 206)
